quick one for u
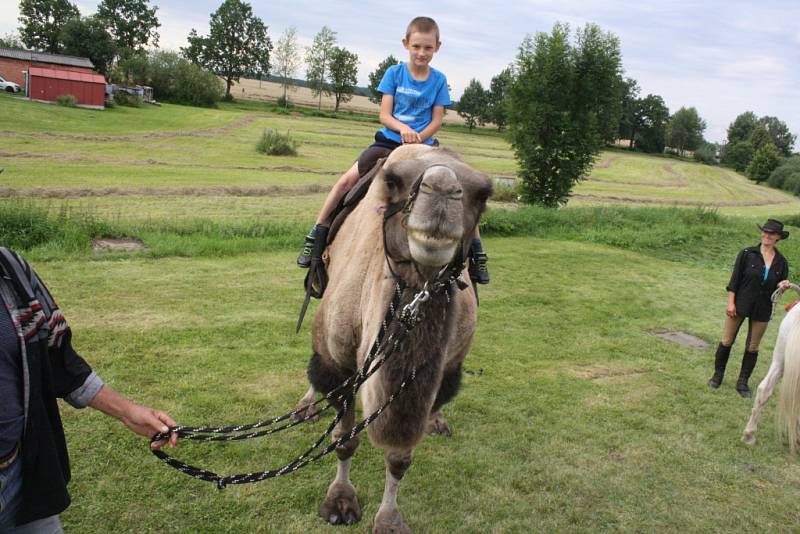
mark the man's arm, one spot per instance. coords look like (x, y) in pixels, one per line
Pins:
(140, 419)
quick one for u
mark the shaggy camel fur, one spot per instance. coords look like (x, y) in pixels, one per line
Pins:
(451, 198)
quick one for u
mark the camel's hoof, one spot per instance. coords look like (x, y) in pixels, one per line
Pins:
(304, 407)
(340, 506)
(749, 438)
(389, 522)
(437, 425)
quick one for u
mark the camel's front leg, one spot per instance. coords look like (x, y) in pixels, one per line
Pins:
(389, 519)
(340, 506)
(305, 406)
(765, 389)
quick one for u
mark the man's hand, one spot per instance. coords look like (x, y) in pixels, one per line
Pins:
(148, 422)
(142, 420)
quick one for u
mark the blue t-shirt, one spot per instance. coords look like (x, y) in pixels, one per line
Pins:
(413, 100)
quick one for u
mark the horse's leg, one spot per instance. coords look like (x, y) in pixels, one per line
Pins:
(304, 405)
(340, 506)
(763, 394)
(389, 519)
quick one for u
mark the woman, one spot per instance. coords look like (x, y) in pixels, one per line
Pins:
(758, 271)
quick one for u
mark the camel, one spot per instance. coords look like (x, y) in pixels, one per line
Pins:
(786, 364)
(419, 244)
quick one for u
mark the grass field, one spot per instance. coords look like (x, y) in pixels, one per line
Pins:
(572, 416)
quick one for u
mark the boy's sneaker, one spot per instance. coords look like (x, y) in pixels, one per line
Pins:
(478, 268)
(304, 259)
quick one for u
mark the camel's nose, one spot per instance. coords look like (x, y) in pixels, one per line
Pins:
(441, 180)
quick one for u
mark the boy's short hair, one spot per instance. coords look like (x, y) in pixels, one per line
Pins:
(422, 25)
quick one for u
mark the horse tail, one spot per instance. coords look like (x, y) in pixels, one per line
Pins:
(789, 402)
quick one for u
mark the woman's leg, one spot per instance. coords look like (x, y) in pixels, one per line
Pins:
(729, 332)
(755, 331)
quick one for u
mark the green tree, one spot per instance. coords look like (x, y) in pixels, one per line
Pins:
(472, 105)
(741, 127)
(175, 79)
(781, 137)
(738, 155)
(707, 153)
(11, 40)
(650, 119)
(685, 130)
(765, 160)
(132, 23)
(237, 43)
(41, 22)
(759, 137)
(318, 60)
(343, 75)
(376, 76)
(495, 111)
(87, 37)
(287, 59)
(562, 108)
(628, 123)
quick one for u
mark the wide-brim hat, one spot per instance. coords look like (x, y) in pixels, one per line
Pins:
(774, 226)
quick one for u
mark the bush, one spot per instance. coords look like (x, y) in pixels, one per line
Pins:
(124, 99)
(67, 101)
(787, 175)
(706, 153)
(274, 143)
(284, 102)
(505, 193)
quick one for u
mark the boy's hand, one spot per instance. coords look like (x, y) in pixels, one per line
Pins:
(408, 136)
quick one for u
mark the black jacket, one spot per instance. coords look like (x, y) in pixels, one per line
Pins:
(54, 370)
(747, 282)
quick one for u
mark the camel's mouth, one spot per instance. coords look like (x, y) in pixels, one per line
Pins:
(429, 250)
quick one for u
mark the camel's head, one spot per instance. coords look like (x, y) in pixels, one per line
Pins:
(450, 198)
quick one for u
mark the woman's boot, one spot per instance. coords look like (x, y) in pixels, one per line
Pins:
(720, 361)
(748, 364)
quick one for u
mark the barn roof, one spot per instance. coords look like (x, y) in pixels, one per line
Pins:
(67, 75)
(42, 57)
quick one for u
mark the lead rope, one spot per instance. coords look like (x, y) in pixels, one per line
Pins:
(409, 317)
(778, 293)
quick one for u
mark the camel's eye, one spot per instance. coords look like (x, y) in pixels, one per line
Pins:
(393, 182)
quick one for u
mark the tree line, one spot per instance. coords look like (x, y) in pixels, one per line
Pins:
(562, 100)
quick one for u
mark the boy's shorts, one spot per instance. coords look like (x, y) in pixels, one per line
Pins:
(381, 148)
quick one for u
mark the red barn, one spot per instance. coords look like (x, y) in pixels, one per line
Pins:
(48, 84)
(15, 63)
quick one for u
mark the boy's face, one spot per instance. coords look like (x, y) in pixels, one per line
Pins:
(421, 47)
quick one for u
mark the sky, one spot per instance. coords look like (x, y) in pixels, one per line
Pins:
(721, 57)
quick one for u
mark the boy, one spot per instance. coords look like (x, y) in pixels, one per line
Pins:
(412, 108)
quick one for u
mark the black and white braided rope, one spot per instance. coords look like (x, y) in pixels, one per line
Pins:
(344, 393)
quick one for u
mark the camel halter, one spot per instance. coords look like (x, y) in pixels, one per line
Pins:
(451, 271)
